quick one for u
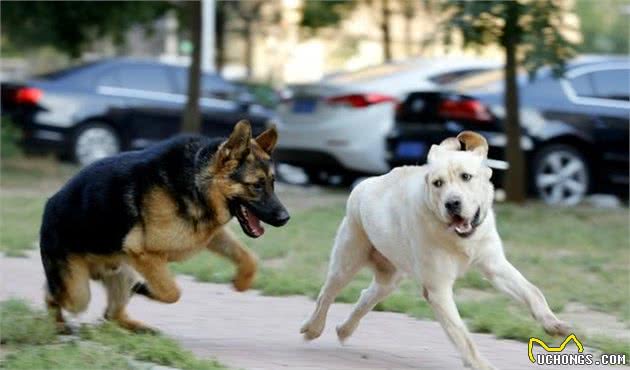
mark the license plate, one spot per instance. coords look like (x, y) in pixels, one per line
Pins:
(411, 149)
(304, 105)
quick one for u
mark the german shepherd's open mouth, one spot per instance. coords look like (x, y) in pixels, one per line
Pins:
(250, 222)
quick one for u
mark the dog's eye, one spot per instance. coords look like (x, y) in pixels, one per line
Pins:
(437, 183)
(258, 186)
(466, 176)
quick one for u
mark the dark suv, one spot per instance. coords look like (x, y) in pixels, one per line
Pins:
(98, 109)
(575, 129)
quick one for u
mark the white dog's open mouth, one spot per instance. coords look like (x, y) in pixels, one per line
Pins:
(464, 227)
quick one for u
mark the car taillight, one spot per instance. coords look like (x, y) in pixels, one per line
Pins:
(28, 95)
(360, 100)
(464, 109)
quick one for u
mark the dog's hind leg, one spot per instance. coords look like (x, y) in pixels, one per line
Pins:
(224, 243)
(349, 254)
(71, 289)
(120, 286)
(76, 281)
(385, 281)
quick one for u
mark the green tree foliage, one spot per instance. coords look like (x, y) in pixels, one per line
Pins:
(318, 14)
(604, 26)
(532, 35)
(70, 25)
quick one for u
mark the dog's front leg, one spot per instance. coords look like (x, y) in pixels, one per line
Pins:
(159, 284)
(441, 300)
(224, 243)
(506, 278)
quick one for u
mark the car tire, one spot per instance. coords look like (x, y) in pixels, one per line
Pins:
(94, 141)
(317, 176)
(561, 175)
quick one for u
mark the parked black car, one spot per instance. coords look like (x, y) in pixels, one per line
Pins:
(98, 109)
(575, 128)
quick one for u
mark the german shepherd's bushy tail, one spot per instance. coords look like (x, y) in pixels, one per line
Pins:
(54, 258)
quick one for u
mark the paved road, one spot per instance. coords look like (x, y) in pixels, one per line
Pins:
(249, 331)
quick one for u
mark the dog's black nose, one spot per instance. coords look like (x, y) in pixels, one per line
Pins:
(282, 217)
(453, 206)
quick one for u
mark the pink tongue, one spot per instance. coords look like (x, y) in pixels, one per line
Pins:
(461, 225)
(254, 224)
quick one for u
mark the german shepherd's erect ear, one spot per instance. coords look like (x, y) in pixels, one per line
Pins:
(268, 139)
(237, 146)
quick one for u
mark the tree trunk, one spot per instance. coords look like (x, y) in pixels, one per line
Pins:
(515, 182)
(191, 120)
(219, 28)
(408, 40)
(387, 42)
(249, 48)
(409, 13)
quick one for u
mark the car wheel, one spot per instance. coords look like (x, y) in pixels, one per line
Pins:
(561, 175)
(317, 177)
(93, 142)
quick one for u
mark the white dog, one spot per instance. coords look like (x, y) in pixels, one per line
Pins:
(430, 223)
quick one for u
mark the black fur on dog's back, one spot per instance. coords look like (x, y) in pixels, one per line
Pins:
(96, 209)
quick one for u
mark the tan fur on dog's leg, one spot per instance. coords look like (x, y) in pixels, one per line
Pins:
(118, 287)
(76, 282)
(227, 245)
(159, 280)
(121, 318)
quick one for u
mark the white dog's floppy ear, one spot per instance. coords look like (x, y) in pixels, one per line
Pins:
(472, 141)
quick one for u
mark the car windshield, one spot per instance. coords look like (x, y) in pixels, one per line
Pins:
(492, 80)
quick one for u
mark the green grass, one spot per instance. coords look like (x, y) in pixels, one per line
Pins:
(19, 324)
(147, 347)
(65, 356)
(9, 136)
(26, 183)
(20, 217)
(29, 337)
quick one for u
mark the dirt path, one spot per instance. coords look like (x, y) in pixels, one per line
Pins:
(246, 330)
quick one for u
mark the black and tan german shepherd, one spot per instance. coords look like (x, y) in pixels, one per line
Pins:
(135, 212)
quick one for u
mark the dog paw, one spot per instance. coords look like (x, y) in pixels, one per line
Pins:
(311, 330)
(557, 327)
(245, 276)
(63, 329)
(344, 332)
(242, 282)
(137, 327)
